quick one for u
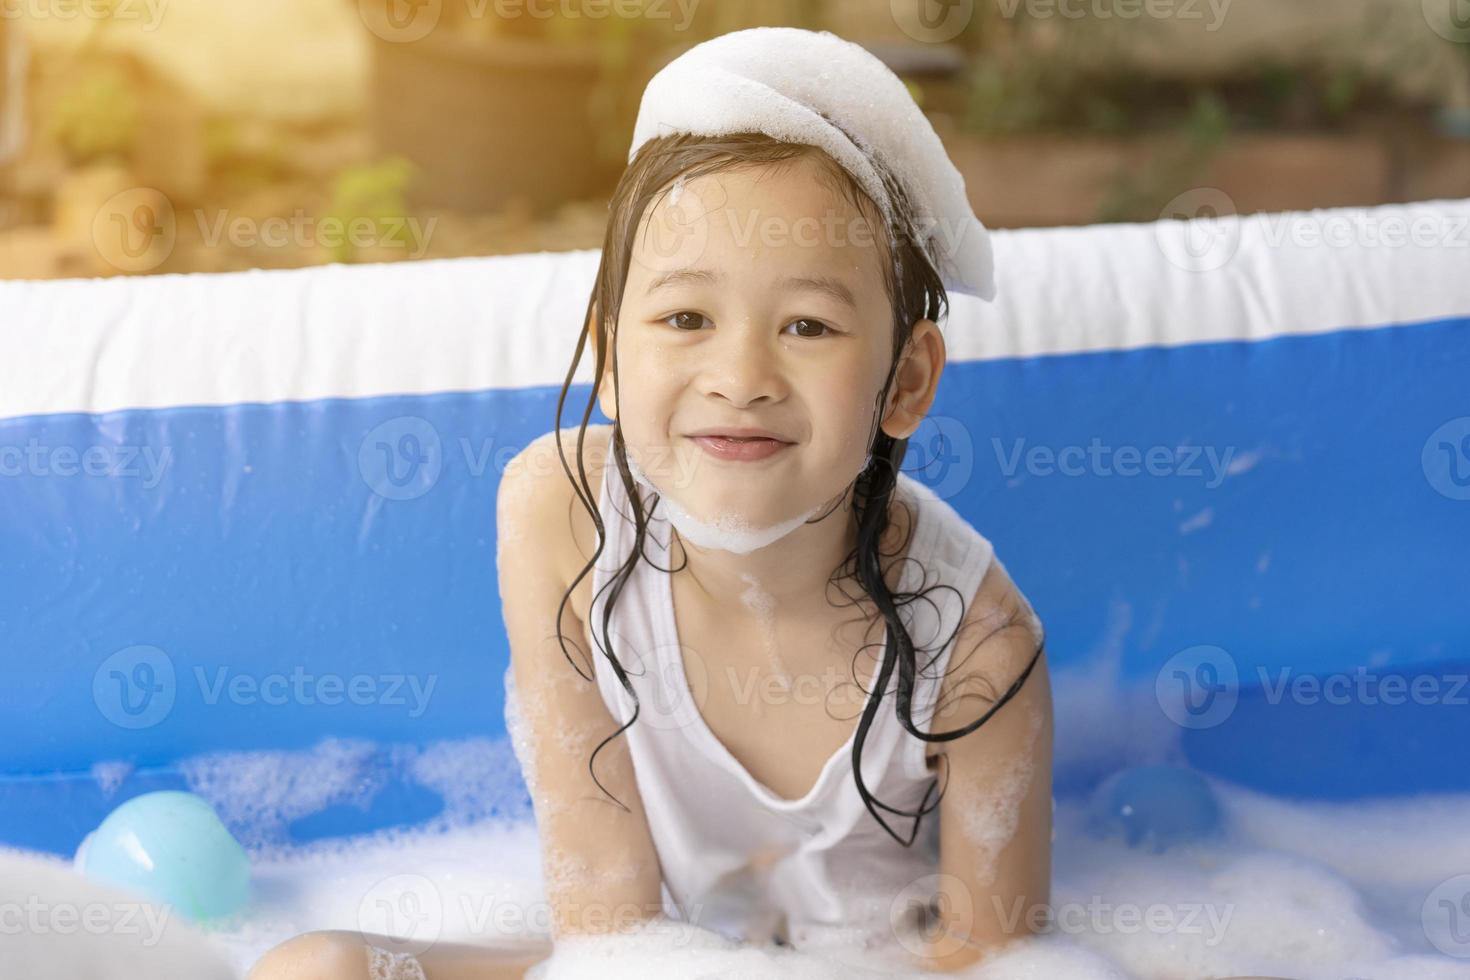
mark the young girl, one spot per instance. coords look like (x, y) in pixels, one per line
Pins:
(762, 681)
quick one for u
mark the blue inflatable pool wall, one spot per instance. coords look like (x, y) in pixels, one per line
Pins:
(250, 512)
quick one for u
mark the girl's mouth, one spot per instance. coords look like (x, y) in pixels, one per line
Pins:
(739, 450)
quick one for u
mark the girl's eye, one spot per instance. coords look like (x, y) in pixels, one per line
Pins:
(688, 321)
(815, 323)
(685, 324)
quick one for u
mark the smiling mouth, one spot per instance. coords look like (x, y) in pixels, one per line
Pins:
(739, 449)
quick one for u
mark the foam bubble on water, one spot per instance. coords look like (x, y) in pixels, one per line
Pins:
(1246, 906)
(476, 884)
(474, 776)
(1305, 890)
(1362, 839)
(1104, 722)
(1313, 911)
(1046, 958)
(110, 775)
(257, 794)
(665, 948)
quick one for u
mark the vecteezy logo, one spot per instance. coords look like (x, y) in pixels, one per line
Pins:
(1446, 459)
(1450, 19)
(135, 231)
(401, 458)
(944, 453)
(400, 21)
(932, 21)
(135, 688)
(1199, 230)
(1445, 916)
(1198, 687)
(929, 919)
(676, 234)
(407, 910)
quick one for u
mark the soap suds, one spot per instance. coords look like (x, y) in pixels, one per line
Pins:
(727, 532)
(762, 606)
(110, 775)
(994, 795)
(1309, 890)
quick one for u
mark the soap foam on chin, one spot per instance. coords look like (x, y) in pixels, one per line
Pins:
(729, 532)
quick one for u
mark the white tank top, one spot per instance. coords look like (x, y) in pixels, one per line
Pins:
(735, 857)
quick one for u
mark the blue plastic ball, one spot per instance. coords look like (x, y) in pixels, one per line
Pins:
(171, 847)
(1155, 807)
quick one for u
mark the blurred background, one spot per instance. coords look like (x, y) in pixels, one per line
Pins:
(153, 136)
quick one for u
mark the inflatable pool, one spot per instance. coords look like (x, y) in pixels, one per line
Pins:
(247, 538)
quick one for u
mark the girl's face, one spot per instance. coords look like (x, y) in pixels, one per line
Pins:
(754, 298)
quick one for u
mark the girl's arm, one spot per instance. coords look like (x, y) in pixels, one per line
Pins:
(600, 867)
(995, 822)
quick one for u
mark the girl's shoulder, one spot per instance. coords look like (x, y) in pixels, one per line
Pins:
(558, 526)
(995, 613)
(949, 535)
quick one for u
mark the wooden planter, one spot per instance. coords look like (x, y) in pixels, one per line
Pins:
(487, 121)
(1036, 180)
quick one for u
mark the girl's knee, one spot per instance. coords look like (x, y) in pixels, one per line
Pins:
(325, 955)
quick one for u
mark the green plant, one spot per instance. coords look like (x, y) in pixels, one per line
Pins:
(373, 191)
(96, 117)
(241, 165)
(1036, 72)
(1139, 196)
(1341, 91)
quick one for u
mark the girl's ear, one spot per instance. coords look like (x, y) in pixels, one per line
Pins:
(916, 381)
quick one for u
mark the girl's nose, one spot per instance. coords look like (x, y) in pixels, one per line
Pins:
(748, 369)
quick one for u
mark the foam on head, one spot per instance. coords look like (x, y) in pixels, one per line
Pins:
(816, 88)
